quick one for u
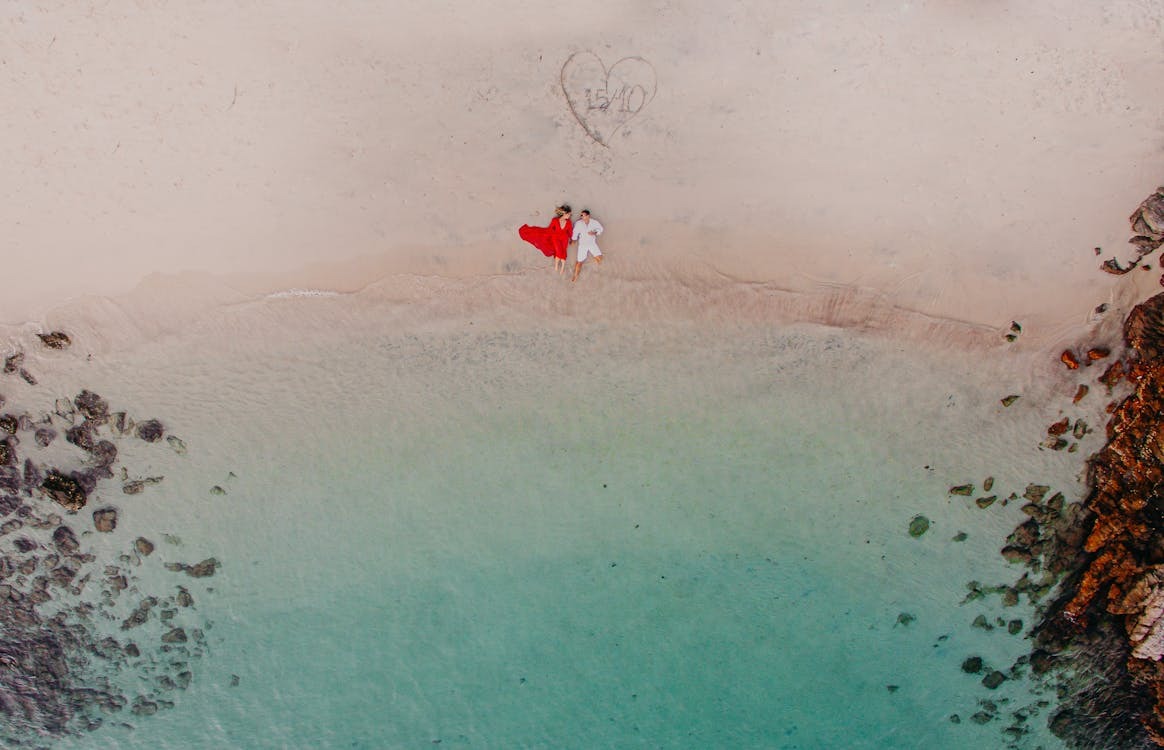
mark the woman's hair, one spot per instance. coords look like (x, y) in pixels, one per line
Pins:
(565, 208)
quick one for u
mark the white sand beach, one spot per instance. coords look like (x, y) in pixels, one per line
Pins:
(955, 159)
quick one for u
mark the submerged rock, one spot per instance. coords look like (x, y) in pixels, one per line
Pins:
(150, 430)
(918, 526)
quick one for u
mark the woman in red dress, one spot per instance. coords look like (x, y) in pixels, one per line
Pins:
(553, 239)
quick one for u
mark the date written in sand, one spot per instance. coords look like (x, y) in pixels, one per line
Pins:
(603, 100)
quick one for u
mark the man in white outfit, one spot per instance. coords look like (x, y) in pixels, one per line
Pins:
(586, 233)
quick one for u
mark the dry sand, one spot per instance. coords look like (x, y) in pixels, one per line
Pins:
(957, 159)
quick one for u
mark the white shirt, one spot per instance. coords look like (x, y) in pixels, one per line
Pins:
(582, 232)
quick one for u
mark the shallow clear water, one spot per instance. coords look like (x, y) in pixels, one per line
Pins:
(600, 536)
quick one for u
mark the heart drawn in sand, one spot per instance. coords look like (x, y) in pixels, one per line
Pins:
(604, 100)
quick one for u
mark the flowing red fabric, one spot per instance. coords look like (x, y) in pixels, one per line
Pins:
(552, 240)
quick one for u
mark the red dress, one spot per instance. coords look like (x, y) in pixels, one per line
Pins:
(552, 240)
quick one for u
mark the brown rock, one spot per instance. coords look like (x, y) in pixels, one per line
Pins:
(105, 519)
(55, 340)
(1068, 358)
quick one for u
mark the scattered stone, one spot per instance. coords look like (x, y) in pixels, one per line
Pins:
(1098, 353)
(133, 487)
(1035, 492)
(9, 423)
(143, 546)
(918, 526)
(1014, 627)
(982, 623)
(972, 665)
(204, 569)
(964, 490)
(955, 719)
(217, 490)
(65, 540)
(1080, 429)
(892, 688)
(986, 502)
(1008, 400)
(104, 453)
(1059, 427)
(961, 536)
(27, 376)
(105, 519)
(177, 635)
(234, 680)
(988, 484)
(150, 430)
(993, 679)
(184, 598)
(1112, 375)
(92, 406)
(44, 436)
(13, 362)
(1068, 358)
(905, 618)
(982, 717)
(1016, 554)
(177, 444)
(55, 340)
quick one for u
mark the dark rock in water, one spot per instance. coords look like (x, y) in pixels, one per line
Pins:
(10, 526)
(982, 717)
(104, 453)
(184, 598)
(105, 519)
(965, 490)
(985, 502)
(131, 649)
(66, 491)
(905, 618)
(32, 475)
(65, 540)
(91, 406)
(993, 679)
(150, 431)
(1008, 400)
(9, 423)
(918, 526)
(234, 680)
(203, 569)
(7, 455)
(8, 504)
(1014, 627)
(961, 536)
(1016, 554)
(44, 436)
(10, 479)
(133, 487)
(27, 376)
(55, 339)
(143, 706)
(24, 544)
(143, 546)
(972, 665)
(81, 436)
(13, 362)
(177, 635)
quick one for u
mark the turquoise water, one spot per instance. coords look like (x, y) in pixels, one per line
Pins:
(668, 535)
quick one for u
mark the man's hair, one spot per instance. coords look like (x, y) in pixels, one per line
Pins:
(585, 211)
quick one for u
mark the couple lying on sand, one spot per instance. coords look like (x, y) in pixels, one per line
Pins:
(553, 239)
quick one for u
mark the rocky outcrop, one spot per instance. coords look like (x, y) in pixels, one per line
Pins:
(1109, 618)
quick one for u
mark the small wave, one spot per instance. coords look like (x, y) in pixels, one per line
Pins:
(302, 293)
